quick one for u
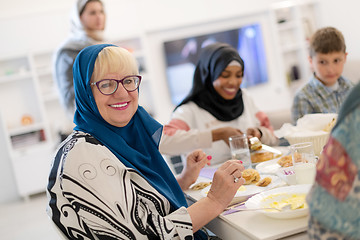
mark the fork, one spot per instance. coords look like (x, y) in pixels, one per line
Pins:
(234, 205)
(249, 209)
(282, 209)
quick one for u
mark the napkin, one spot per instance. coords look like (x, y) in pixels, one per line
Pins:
(310, 124)
(207, 172)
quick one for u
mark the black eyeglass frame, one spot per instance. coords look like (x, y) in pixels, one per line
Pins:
(117, 84)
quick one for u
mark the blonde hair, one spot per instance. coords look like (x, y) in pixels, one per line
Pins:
(113, 60)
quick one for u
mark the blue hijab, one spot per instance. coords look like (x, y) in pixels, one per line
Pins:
(136, 144)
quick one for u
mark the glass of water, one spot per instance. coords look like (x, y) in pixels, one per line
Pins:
(304, 162)
(239, 148)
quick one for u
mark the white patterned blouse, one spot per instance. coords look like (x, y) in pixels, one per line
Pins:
(92, 195)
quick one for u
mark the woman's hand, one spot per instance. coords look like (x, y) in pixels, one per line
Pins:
(195, 161)
(222, 191)
(253, 132)
(224, 186)
(224, 133)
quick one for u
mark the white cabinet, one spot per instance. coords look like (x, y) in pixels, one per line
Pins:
(55, 115)
(295, 22)
(29, 141)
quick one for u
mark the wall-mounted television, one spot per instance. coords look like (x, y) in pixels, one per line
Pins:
(182, 56)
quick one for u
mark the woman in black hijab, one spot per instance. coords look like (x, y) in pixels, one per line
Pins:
(216, 108)
(213, 60)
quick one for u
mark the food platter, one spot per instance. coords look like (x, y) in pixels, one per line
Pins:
(246, 191)
(265, 154)
(277, 196)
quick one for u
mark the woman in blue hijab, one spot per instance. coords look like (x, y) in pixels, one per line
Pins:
(108, 179)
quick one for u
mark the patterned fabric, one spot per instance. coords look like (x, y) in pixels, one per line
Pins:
(335, 170)
(315, 97)
(334, 200)
(92, 195)
(317, 231)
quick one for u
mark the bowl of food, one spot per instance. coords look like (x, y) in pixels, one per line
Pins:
(291, 200)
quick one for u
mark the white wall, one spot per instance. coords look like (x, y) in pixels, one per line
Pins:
(43, 24)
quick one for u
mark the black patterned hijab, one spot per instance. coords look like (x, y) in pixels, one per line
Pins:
(213, 60)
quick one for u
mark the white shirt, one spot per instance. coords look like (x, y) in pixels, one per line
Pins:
(181, 141)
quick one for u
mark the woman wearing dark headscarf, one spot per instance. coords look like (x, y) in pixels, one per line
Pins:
(215, 109)
(108, 179)
(87, 27)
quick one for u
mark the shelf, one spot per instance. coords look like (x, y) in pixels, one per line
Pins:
(294, 21)
(286, 26)
(15, 77)
(22, 78)
(25, 129)
(36, 149)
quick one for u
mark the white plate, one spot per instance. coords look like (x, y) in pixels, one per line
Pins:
(268, 167)
(276, 154)
(261, 200)
(250, 189)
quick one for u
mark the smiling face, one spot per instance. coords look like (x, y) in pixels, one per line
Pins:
(93, 16)
(228, 83)
(119, 107)
(115, 63)
(328, 67)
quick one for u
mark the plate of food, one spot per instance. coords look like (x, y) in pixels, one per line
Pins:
(274, 165)
(264, 154)
(290, 200)
(255, 183)
(268, 167)
(260, 152)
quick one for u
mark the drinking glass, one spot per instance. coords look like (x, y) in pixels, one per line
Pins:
(304, 162)
(239, 148)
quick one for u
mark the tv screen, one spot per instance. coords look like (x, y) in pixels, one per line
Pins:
(182, 56)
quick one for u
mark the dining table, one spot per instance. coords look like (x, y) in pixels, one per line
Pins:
(235, 224)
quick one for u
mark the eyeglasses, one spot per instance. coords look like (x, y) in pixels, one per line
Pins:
(109, 86)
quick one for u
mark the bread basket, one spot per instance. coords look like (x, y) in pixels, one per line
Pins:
(318, 138)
